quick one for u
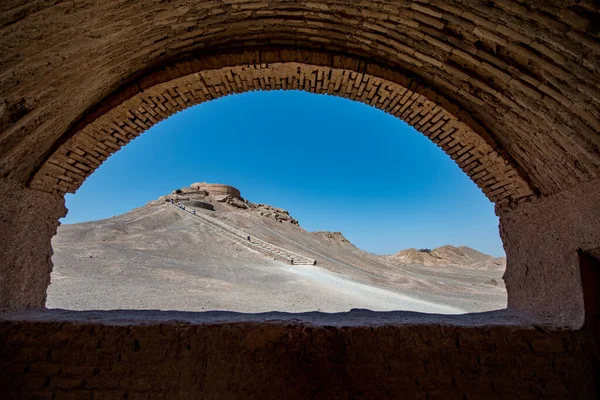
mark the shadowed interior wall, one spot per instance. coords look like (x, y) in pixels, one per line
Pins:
(590, 280)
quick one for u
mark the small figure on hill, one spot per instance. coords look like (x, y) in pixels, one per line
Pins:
(194, 212)
(248, 237)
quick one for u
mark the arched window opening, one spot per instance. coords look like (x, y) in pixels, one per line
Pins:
(389, 220)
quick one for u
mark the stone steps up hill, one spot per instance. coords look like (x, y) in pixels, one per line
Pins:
(259, 245)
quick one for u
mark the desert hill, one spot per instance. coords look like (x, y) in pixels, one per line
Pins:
(447, 255)
(189, 251)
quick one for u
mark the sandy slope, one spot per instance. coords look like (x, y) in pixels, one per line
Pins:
(157, 257)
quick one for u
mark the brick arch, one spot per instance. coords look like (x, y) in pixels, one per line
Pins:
(526, 71)
(523, 75)
(136, 108)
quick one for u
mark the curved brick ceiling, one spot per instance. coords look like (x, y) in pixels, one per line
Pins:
(76, 158)
(523, 75)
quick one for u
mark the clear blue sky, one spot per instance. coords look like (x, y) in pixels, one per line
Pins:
(335, 164)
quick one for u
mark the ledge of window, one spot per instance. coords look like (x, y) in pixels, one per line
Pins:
(352, 318)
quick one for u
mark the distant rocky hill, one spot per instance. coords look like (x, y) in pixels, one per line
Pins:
(333, 237)
(448, 256)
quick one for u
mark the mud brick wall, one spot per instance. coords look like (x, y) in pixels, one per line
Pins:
(28, 220)
(542, 239)
(293, 359)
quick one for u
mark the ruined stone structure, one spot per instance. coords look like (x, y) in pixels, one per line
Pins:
(199, 190)
(216, 189)
(195, 195)
(508, 89)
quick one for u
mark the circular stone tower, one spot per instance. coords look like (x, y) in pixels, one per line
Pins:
(216, 189)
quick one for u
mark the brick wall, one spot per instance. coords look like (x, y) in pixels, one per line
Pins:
(361, 354)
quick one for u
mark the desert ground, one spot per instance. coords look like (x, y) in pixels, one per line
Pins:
(160, 257)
